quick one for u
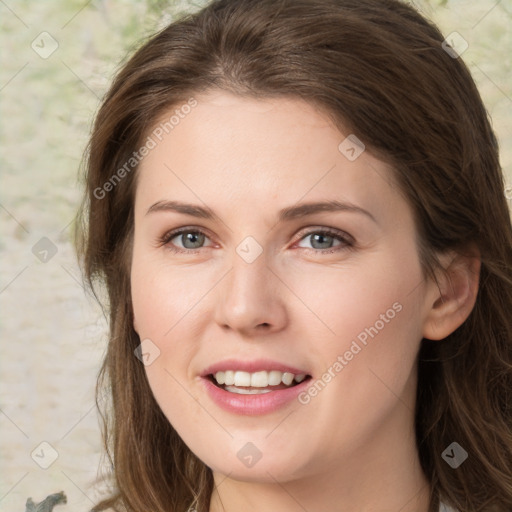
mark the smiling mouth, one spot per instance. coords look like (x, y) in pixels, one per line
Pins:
(257, 383)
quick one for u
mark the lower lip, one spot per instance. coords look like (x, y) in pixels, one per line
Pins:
(252, 405)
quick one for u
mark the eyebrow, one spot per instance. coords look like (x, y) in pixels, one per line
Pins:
(286, 214)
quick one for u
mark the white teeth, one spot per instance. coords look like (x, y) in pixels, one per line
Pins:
(274, 378)
(287, 378)
(261, 379)
(229, 378)
(242, 379)
(243, 391)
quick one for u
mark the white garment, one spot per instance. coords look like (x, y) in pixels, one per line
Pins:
(446, 508)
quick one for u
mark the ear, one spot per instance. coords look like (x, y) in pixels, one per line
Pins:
(452, 297)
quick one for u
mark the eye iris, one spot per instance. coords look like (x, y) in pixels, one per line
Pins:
(192, 236)
(322, 236)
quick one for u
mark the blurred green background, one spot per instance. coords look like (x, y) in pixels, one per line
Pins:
(53, 335)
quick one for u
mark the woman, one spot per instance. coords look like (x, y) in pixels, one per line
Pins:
(298, 213)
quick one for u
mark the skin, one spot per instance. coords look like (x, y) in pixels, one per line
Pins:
(353, 444)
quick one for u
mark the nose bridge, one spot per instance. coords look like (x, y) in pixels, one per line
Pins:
(249, 295)
(249, 280)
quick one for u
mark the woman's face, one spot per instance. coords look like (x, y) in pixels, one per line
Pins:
(271, 282)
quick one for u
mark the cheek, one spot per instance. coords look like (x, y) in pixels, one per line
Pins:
(373, 299)
(369, 317)
(167, 311)
(162, 297)
(160, 311)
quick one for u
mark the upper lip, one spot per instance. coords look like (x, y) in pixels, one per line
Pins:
(255, 365)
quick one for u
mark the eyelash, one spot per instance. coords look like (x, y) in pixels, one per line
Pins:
(347, 241)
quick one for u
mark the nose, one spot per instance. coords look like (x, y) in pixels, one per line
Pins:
(250, 298)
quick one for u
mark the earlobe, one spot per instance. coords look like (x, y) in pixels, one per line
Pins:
(453, 296)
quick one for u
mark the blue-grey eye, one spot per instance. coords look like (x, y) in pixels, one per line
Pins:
(191, 239)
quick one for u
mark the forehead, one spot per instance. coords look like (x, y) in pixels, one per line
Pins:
(252, 152)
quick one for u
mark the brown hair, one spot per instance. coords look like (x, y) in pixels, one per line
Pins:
(379, 69)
